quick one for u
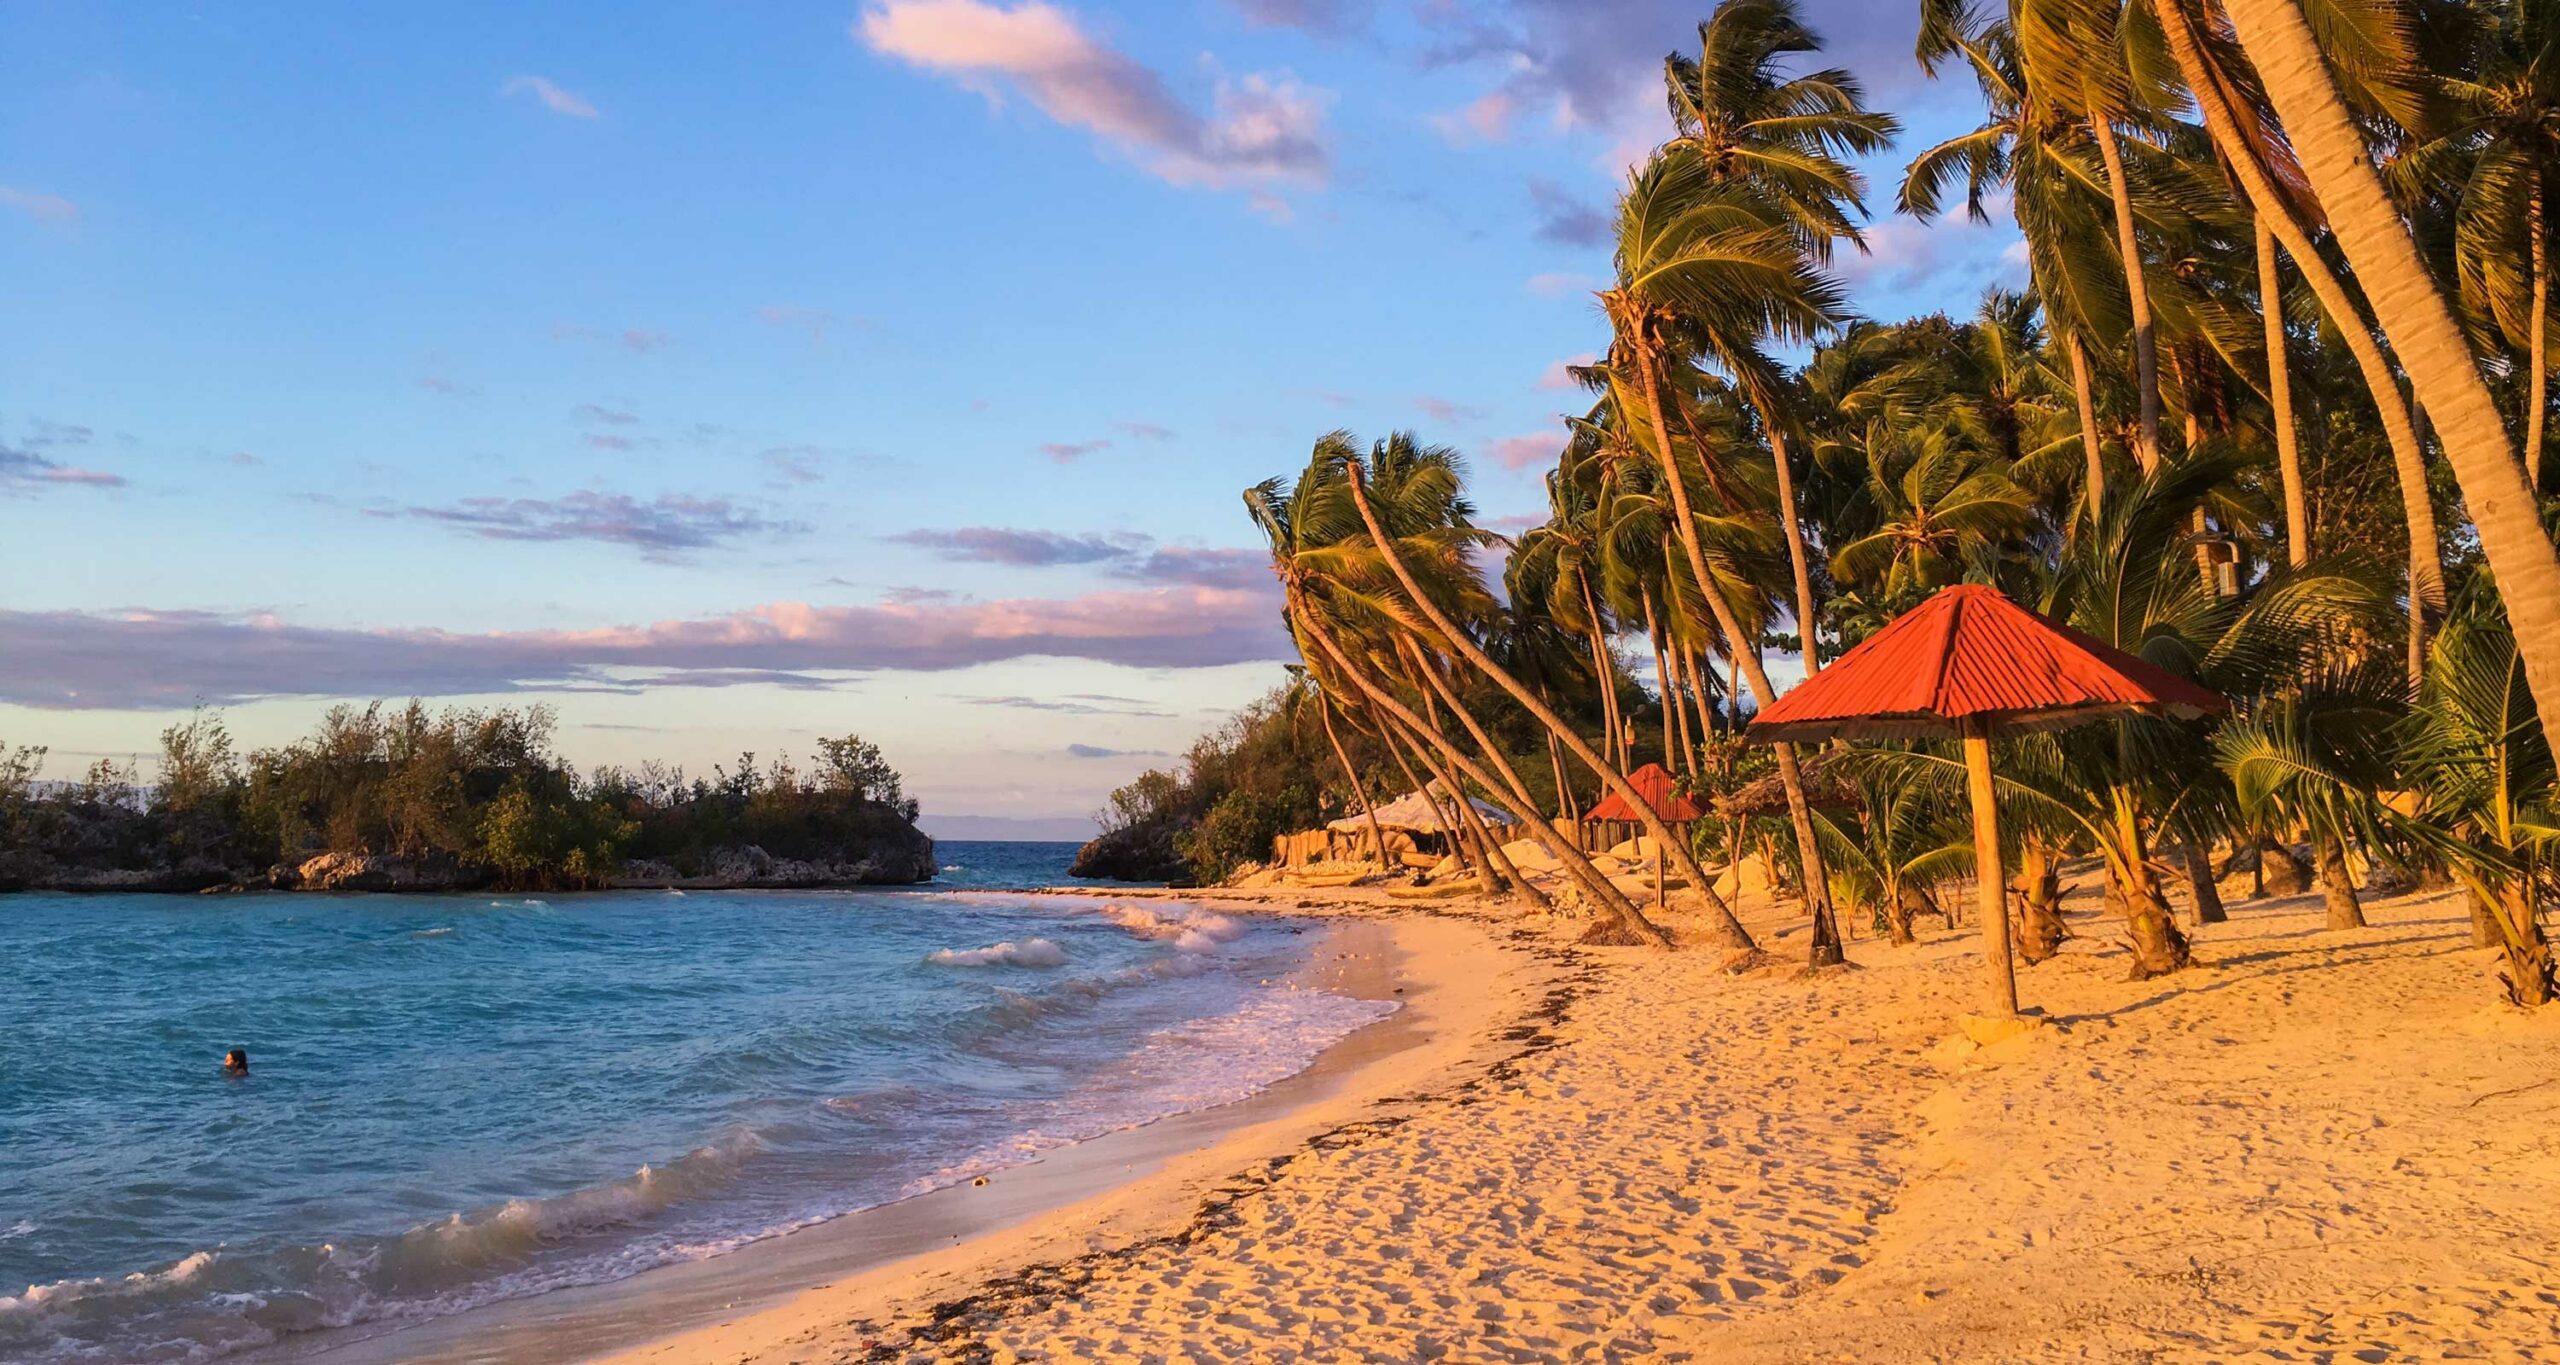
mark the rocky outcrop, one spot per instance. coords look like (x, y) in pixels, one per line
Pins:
(383, 872)
(1138, 853)
(890, 862)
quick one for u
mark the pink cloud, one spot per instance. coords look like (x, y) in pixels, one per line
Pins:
(1260, 130)
(145, 659)
(1525, 452)
(553, 98)
(1068, 452)
(52, 210)
(1559, 376)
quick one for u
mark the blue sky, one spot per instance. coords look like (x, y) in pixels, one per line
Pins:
(729, 375)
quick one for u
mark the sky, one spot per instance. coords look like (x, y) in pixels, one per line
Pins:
(724, 376)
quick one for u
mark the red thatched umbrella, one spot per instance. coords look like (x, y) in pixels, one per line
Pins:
(1970, 662)
(1654, 784)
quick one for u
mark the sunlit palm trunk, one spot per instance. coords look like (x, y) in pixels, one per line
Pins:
(1727, 929)
(2529, 975)
(2208, 897)
(2158, 947)
(2085, 389)
(1519, 790)
(2297, 509)
(1793, 525)
(1826, 949)
(2421, 327)
(2338, 886)
(2146, 348)
(1603, 894)
(1605, 670)
(2408, 458)
(1359, 789)
(2537, 354)
(2040, 924)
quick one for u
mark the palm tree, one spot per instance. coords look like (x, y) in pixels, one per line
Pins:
(2414, 315)
(2264, 163)
(2498, 155)
(2035, 151)
(1695, 254)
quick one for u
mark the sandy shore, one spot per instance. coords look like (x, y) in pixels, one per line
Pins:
(2321, 1146)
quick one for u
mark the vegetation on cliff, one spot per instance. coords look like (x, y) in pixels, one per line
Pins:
(456, 797)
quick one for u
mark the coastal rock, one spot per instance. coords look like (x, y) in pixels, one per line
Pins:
(898, 859)
(1136, 853)
(385, 872)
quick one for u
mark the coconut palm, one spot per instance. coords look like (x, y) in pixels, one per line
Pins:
(2414, 315)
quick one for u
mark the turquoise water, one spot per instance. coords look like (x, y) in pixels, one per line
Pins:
(457, 1099)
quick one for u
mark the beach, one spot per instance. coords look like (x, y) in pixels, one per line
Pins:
(2319, 1146)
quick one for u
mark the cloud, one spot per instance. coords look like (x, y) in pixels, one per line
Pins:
(1443, 410)
(1261, 130)
(145, 659)
(1068, 452)
(794, 464)
(1556, 284)
(1485, 119)
(612, 417)
(1145, 431)
(1559, 375)
(436, 383)
(51, 210)
(24, 472)
(603, 440)
(817, 322)
(1023, 549)
(661, 529)
(1324, 18)
(553, 98)
(1912, 267)
(1565, 220)
(1073, 704)
(1124, 554)
(643, 339)
(1526, 452)
(1097, 751)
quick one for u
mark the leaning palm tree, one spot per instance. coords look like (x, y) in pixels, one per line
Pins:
(2414, 315)
(1696, 253)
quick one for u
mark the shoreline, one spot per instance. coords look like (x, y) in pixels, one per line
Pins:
(1076, 1200)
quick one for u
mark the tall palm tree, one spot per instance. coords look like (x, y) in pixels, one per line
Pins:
(1694, 250)
(2413, 313)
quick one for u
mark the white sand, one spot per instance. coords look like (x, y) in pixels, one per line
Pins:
(2327, 1146)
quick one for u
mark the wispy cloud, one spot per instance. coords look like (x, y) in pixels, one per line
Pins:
(817, 322)
(553, 98)
(1556, 284)
(1444, 410)
(1122, 554)
(25, 472)
(612, 417)
(1073, 704)
(1068, 452)
(1525, 451)
(1325, 18)
(794, 464)
(440, 384)
(143, 659)
(1259, 132)
(1097, 751)
(52, 210)
(1564, 219)
(1023, 549)
(1145, 431)
(662, 528)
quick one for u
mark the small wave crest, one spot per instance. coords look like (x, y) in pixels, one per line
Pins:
(1030, 952)
(1193, 931)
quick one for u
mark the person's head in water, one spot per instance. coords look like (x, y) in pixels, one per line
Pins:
(236, 1062)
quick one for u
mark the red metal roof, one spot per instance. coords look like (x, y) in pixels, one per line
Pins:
(1968, 653)
(1654, 785)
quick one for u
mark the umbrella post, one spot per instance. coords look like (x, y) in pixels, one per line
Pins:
(1986, 864)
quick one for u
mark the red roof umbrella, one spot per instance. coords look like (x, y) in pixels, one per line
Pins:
(1654, 784)
(1970, 662)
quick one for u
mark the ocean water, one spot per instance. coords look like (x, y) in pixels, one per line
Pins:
(455, 1100)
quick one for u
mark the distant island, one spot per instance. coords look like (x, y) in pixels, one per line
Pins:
(390, 797)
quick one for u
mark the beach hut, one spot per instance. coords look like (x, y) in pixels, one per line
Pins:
(1655, 785)
(1970, 663)
(1418, 815)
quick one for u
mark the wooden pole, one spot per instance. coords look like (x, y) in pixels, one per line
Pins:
(1986, 871)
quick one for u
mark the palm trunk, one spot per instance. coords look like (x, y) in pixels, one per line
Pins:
(1794, 527)
(2431, 347)
(2040, 926)
(2408, 453)
(2208, 897)
(1662, 684)
(1360, 789)
(1521, 801)
(2338, 885)
(2090, 446)
(2297, 512)
(1565, 808)
(2529, 969)
(1826, 949)
(2537, 354)
(1604, 895)
(2146, 348)
(1605, 670)
(1726, 929)
(2158, 947)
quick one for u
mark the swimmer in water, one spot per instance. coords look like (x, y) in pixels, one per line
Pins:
(235, 1063)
